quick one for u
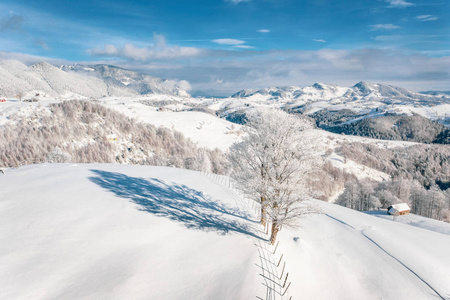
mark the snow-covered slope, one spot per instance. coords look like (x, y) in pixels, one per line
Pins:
(414, 220)
(345, 254)
(71, 82)
(139, 232)
(123, 232)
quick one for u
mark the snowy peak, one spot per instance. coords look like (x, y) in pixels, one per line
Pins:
(242, 94)
(364, 89)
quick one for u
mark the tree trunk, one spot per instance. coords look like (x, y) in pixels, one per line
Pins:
(263, 212)
(275, 229)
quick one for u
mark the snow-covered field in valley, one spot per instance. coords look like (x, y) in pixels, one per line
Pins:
(99, 231)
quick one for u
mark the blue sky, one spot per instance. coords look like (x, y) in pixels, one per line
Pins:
(221, 46)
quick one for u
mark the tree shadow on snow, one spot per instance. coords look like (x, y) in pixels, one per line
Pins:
(177, 202)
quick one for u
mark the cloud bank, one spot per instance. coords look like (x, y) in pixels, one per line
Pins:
(158, 50)
(222, 73)
(228, 42)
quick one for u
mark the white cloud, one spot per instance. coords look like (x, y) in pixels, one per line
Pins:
(171, 84)
(216, 75)
(237, 1)
(244, 47)
(399, 3)
(319, 40)
(231, 42)
(383, 27)
(425, 18)
(185, 85)
(159, 50)
(263, 30)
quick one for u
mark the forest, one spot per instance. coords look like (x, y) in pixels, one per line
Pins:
(420, 176)
(387, 126)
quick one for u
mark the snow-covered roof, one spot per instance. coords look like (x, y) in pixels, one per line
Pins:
(399, 207)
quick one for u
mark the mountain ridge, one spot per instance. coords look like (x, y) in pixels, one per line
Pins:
(79, 81)
(360, 91)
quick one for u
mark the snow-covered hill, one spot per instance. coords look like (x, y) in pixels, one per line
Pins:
(137, 232)
(43, 80)
(205, 129)
(120, 80)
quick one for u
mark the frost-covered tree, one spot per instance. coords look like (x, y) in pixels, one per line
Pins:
(360, 195)
(58, 156)
(270, 165)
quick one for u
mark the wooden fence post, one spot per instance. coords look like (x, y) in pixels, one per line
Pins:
(280, 261)
(282, 272)
(276, 247)
(287, 275)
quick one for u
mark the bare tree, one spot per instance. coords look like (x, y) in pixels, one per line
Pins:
(271, 163)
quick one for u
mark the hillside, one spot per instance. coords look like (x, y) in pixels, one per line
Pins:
(101, 231)
(43, 80)
(387, 126)
(206, 129)
(123, 232)
(87, 132)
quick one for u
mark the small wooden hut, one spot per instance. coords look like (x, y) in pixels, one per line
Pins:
(399, 209)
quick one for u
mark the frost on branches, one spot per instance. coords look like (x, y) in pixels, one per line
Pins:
(271, 163)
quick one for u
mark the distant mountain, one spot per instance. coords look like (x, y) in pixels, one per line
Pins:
(387, 94)
(365, 109)
(121, 79)
(79, 81)
(437, 93)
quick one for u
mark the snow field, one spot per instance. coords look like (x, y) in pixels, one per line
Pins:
(101, 231)
(204, 129)
(77, 231)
